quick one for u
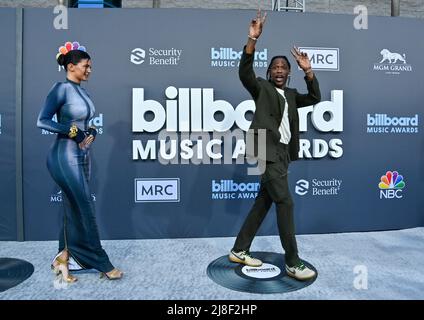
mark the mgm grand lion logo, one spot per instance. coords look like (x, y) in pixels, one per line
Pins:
(392, 63)
(392, 57)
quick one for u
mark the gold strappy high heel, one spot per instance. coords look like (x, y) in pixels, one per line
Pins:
(62, 268)
(115, 274)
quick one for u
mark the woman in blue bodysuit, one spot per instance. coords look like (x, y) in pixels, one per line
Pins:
(69, 165)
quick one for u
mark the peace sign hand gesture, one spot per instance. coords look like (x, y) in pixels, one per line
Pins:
(301, 59)
(255, 28)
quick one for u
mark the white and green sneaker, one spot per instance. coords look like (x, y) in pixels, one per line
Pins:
(300, 272)
(244, 257)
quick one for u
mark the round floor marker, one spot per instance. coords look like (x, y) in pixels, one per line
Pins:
(271, 277)
(13, 272)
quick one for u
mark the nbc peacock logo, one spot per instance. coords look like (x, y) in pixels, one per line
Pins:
(391, 185)
(68, 46)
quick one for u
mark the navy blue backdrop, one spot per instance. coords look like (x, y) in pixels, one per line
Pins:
(8, 219)
(181, 64)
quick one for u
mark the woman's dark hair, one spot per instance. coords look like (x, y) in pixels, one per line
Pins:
(73, 56)
(268, 71)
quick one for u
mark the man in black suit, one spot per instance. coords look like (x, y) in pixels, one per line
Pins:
(276, 112)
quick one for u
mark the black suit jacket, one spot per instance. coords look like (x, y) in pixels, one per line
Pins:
(270, 107)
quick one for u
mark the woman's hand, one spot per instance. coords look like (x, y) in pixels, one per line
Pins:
(88, 140)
